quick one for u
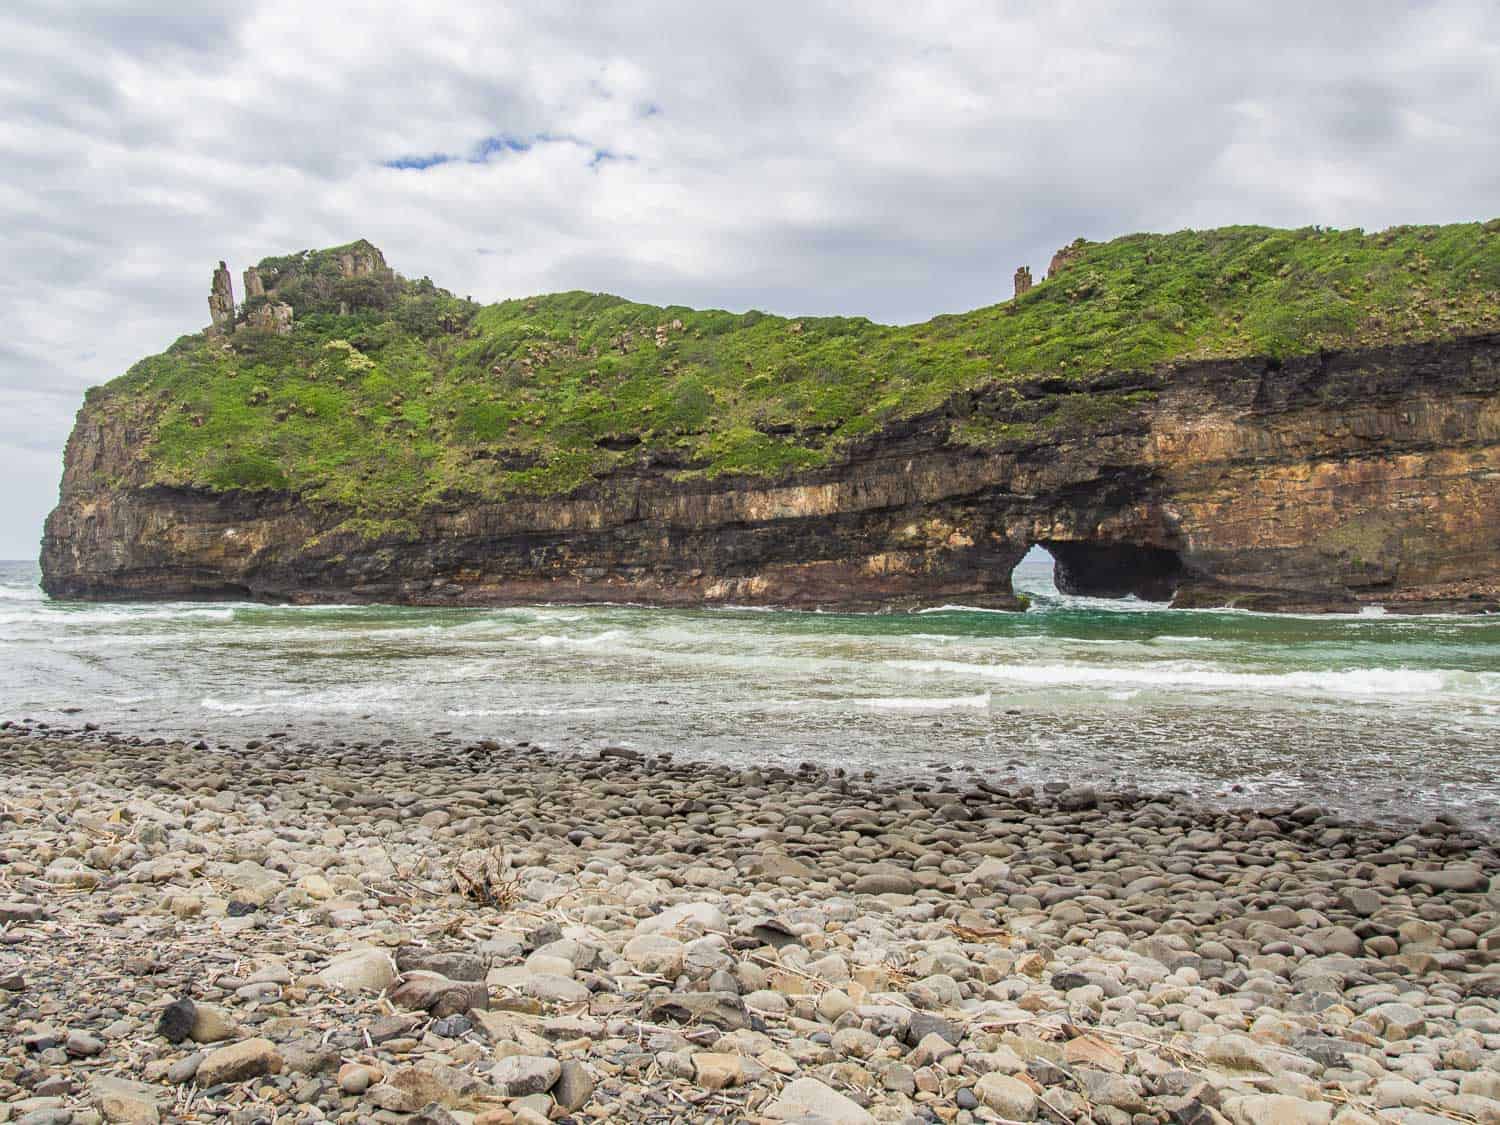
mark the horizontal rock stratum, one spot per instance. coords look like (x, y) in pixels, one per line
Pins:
(1268, 419)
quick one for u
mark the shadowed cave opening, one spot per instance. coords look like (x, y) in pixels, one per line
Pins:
(1100, 570)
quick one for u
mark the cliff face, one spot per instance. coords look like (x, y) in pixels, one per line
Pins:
(1322, 482)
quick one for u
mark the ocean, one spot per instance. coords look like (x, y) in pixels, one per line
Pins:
(1378, 716)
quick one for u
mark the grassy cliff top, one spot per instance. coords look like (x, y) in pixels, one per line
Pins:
(389, 394)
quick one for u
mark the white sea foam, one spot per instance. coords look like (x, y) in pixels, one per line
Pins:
(929, 703)
(1350, 616)
(1175, 674)
(552, 640)
(89, 642)
(959, 608)
(1129, 604)
(514, 712)
(315, 607)
(69, 616)
(367, 697)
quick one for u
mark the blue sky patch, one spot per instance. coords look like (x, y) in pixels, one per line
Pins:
(500, 145)
(418, 163)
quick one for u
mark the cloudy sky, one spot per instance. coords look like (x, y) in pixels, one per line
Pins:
(891, 160)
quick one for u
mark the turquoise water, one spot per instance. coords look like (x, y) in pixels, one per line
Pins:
(1387, 716)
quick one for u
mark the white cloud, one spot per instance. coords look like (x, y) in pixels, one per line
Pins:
(810, 157)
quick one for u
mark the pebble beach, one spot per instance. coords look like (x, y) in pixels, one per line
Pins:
(488, 933)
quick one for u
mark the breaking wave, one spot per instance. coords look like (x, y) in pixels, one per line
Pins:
(1351, 681)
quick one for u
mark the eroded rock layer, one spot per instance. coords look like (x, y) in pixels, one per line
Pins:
(1324, 482)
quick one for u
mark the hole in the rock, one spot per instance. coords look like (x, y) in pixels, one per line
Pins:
(1033, 575)
(1099, 570)
(1115, 570)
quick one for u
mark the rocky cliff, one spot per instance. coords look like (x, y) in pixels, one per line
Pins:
(1320, 477)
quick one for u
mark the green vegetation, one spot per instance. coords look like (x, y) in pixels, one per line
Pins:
(390, 393)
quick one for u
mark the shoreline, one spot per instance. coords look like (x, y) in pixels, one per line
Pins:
(1008, 776)
(681, 941)
(1388, 718)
